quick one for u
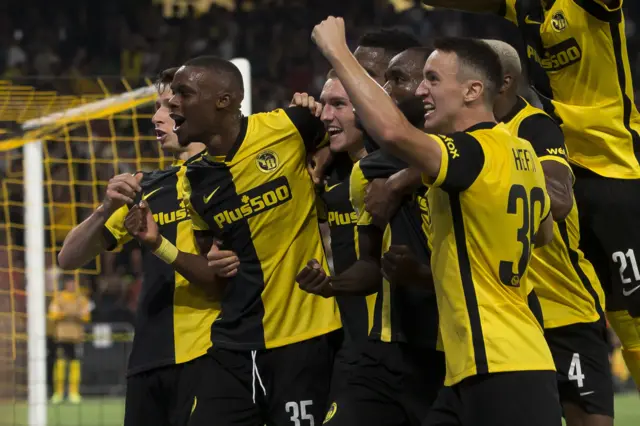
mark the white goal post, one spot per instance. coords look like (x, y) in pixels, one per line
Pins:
(35, 243)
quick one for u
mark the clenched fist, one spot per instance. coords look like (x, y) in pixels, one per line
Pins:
(304, 100)
(140, 224)
(314, 280)
(329, 36)
(121, 190)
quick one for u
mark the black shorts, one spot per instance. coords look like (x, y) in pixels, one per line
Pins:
(345, 359)
(523, 398)
(388, 384)
(68, 350)
(581, 355)
(288, 385)
(610, 236)
(163, 396)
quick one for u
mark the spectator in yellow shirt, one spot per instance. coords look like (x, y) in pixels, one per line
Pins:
(69, 310)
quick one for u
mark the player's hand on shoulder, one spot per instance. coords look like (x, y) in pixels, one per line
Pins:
(305, 100)
(381, 202)
(121, 190)
(317, 164)
(313, 279)
(224, 263)
(329, 35)
(140, 224)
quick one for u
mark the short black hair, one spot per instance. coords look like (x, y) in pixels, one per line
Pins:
(478, 56)
(426, 51)
(221, 66)
(164, 79)
(393, 40)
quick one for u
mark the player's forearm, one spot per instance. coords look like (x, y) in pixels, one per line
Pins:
(468, 5)
(382, 119)
(558, 181)
(85, 241)
(361, 279)
(405, 181)
(545, 232)
(376, 110)
(195, 269)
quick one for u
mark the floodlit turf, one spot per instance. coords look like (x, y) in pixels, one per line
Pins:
(110, 412)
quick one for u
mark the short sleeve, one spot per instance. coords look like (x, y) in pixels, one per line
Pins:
(380, 164)
(545, 136)
(508, 10)
(601, 10)
(54, 310)
(461, 163)
(114, 231)
(357, 187)
(197, 222)
(309, 126)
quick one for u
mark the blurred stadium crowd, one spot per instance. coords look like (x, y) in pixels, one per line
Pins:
(60, 45)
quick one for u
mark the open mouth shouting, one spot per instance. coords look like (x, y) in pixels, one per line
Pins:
(161, 135)
(179, 121)
(429, 109)
(334, 131)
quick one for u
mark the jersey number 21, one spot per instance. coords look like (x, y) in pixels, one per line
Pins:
(522, 202)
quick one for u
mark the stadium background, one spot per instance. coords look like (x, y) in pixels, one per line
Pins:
(55, 55)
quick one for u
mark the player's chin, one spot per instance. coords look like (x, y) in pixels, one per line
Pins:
(170, 143)
(431, 122)
(338, 143)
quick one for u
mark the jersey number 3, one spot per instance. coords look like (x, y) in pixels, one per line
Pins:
(518, 197)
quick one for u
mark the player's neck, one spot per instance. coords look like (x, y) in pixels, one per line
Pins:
(472, 117)
(504, 105)
(221, 142)
(357, 154)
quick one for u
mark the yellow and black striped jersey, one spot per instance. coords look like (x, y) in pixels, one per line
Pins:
(578, 64)
(401, 313)
(565, 282)
(260, 202)
(486, 204)
(173, 318)
(342, 220)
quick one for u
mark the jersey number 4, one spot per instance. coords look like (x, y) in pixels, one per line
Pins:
(527, 201)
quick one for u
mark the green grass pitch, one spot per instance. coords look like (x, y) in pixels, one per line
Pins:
(110, 412)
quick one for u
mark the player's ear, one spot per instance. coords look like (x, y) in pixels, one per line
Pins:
(506, 83)
(473, 91)
(224, 100)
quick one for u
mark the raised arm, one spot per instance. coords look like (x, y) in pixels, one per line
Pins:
(468, 5)
(379, 115)
(104, 228)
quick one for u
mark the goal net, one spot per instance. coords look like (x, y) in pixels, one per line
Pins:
(88, 129)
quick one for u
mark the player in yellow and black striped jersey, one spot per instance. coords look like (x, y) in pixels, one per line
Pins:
(570, 293)
(250, 192)
(404, 324)
(489, 208)
(373, 52)
(173, 317)
(579, 65)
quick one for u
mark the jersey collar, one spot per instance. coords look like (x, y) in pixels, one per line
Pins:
(244, 124)
(480, 126)
(519, 106)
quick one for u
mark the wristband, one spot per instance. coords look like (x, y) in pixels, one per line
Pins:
(167, 251)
